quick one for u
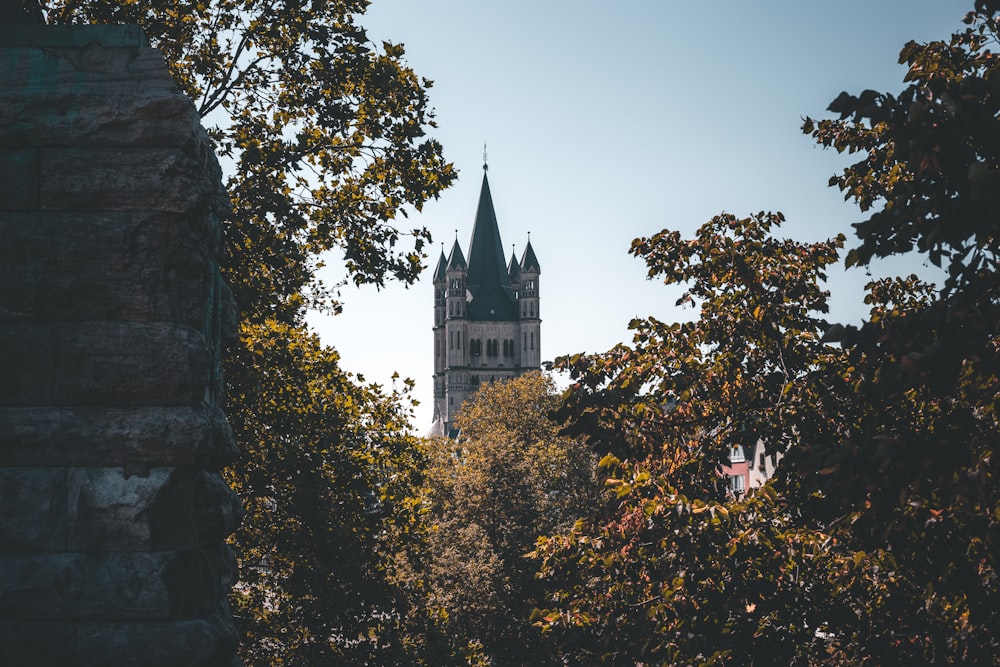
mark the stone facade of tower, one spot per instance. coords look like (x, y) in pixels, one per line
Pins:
(487, 323)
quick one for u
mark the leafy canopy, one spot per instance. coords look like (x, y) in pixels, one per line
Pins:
(321, 131)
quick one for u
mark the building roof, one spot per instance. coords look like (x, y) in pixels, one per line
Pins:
(513, 268)
(441, 267)
(488, 281)
(456, 260)
(529, 263)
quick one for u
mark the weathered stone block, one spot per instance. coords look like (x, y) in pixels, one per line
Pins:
(32, 509)
(194, 509)
(19, 179)
(98, 586)
(36, 71)
(199, 580)
(75, 36)
(196, 643)
(104, 266)
(109, 511)
(102, 363)
(168, 509)
(193, 643)
(135, 439)
(112, 114)
(38, 644)
(123, 179)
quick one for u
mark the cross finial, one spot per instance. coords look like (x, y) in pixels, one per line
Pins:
(486, 166)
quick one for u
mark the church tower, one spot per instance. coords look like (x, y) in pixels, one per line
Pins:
(487, 325)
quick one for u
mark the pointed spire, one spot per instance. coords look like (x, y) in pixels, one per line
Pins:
(456, 260)
(529, 263)
(441, 267)
(513, 268)
(488, 280)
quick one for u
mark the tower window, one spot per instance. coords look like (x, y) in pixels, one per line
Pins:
(508, 348)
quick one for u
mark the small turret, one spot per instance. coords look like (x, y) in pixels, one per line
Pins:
(514, 272)
(528, 303)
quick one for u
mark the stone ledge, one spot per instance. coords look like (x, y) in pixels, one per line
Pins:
(113, 364)
(123, 179)
(131, 586)
(104, 266)
(33, 511)
(72, 36)
(134, 439)
(208, 642)
(105, 586)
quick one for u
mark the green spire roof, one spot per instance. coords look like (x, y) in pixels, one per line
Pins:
(456, 260)
(513, 268)
(529, 263)
(488, 280)
(442, 266)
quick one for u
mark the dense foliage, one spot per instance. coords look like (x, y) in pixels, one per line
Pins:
(321, 135)
(509, 478)
(877, 541)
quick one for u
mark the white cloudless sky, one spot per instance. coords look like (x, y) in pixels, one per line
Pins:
(608, 121)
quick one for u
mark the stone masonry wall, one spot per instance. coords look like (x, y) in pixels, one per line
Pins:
(112, 511)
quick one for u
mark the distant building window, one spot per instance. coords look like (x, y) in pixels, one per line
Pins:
(736, 455)
(762, 465)
(736, 484)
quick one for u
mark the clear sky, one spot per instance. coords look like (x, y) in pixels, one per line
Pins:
(607, 121)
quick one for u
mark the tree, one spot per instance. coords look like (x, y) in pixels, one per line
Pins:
(322, 137)
(915, 480)
(508, 479)
(877, 542)
(327, 508)
(674, 572)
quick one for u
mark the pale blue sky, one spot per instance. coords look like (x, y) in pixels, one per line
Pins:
(607, 121)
